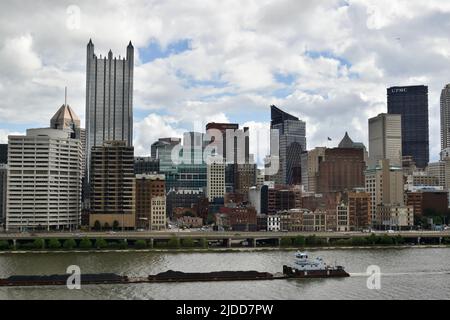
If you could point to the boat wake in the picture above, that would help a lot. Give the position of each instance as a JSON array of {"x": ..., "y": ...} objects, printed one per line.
[{"x": 393, "y": 274}]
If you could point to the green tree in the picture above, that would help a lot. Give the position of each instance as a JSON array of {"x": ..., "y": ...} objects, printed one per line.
[
  {"x": 85, "y": 243},
  {"x": 123, "y": 244},
  {"x": 343, "y": 242},
  {"x": 286, "y": 242},
  {"x": 97, "y": 225},
  {"x": 187, "y": 243},
  {"x": 116, "y": 225},
  {"x": 311, "y": 240},
  {"x": 101, "y": 243},
  {"x": 173, "y": 242},
  {"x": 210, "y": 219},
  {"x": 54, "y": 244},
  {"x": 398, "y": 240},
  {"x": 39, "y": 244},
  {"x": 202, "y": 243},
  {"x": 372, "y": 239},
  {"x": 358, "y": 241},
  {"x": 4, "y": 245},
  {"x": 69, "y": 244},
  {"x": 386, "y": 240},
  {"x": 300, "y": 241},
  {"x": 140, "y": 244}
]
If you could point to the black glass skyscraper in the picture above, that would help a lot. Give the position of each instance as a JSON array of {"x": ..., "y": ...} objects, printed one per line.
[
  {"x": 411, "y": 103},
  {"x": 292, "y": 142},
  {"x": 3, "y": 153}
]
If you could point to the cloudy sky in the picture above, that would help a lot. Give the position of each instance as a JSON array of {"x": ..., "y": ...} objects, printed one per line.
[{"x": 328, "y": 62}]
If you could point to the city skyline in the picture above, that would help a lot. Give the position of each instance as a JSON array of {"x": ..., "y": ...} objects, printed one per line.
[{"x": 183, "y": 75}]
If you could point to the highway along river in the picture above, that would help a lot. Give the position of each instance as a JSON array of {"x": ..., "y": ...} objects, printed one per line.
[{"x": 410, "y": 273}]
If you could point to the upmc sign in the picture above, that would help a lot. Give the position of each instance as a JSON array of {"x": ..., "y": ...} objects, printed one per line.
[{"x": 399, "y": 90}]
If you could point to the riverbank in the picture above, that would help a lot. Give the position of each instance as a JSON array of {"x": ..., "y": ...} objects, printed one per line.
[{"x": 223, "y": 250}]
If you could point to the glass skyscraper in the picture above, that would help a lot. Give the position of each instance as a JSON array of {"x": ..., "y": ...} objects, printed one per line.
[
  {"x": 109, "y": 98},
  {"x": 411, "y": 103},
  {"x": 292, "y": 142}
]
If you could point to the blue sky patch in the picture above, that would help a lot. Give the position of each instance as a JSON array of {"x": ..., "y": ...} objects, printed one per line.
[
  {"x": 329, "y": 55},
  {"x": 154, "y": 50}
]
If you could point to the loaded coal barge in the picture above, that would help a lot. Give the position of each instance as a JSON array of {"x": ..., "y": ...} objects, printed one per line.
[{"x": 302, "y": 268}]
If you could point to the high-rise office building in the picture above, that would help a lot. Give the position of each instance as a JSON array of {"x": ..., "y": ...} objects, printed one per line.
[
  {"x": 292, "y": 142},
  {"x": 109, "y": 98},
  {"x": 112, "y": 186},
  {"x": 67, "y": 120},
  {"x": 221, "y": 135},
  {"x": 162, "y": 150},
  {"x": 4, "y": 153},
  {"x": 3, "y": 184},
  {"x": 44, "y": 181},
  {"x": 411, "y": 103},
  {"x": 150, "y": 202},
  {"x": 385, "y": 183},
  {"x": 215, "y": 178},
  {"x": 445, "y": 117},
  {"x": 311, "y": 162},
  {"x": 385, "y": 139},
  {"x": 342, "y": 169}
]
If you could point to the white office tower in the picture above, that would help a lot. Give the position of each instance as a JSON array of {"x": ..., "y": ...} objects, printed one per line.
[
  {"x": 44, "y": 181},
  {"x": 215, "y": 172},
  {"x": 445, "y": 117},
  {"x": 385, "y": 139}
]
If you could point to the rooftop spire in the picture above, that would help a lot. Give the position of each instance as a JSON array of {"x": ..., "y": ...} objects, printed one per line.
[{"x": 65, "y": 96}]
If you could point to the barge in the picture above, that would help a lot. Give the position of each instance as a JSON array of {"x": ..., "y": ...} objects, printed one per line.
[{"x": 302, "y": 268}]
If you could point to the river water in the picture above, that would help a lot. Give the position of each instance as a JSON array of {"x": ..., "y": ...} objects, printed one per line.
[{"x": 415, "y": 273}]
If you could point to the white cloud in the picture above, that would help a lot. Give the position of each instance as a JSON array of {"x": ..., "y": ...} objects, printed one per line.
[
  {"x": 5, "y": 133},
  {"x": 228, "y": 73}
]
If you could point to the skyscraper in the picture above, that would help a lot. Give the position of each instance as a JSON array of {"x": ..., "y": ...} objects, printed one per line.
[
  {"x": 292, "y": 142},
  {"x": 67, "y": 120},
  {"x": 112, "y": 184},
  {"x": 385, "y": 139},
  {"x": 412, "y": 104},
  {"x": 109, "y": 98},
  {"x": 445, "y": 117},
  {"x": 4, "y": 153},
  {"x": 342, "y": 169},
  {"x": 215, "y": 178},
  {"x": 385, "y": 183},
  {"x": 44, "y": 181},
  {"x": 3, "y": 184},
  {"x": 233, "y": 144}
]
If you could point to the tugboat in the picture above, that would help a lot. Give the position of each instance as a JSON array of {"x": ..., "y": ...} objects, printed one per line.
[{"x": 304, "y": 267}]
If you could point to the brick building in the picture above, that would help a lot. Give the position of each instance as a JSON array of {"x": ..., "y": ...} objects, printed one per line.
[{"x": 342, "y": 169}]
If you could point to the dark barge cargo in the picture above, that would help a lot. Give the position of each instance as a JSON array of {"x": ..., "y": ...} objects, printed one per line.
[
  {"x": 61, "y": 279},
  {"x": 178, "y": 276}
]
